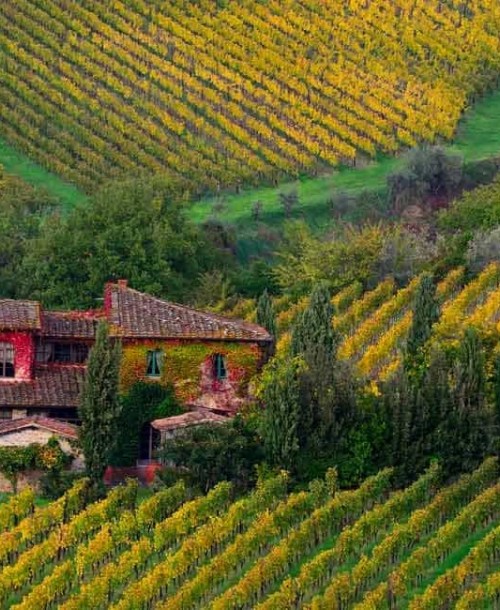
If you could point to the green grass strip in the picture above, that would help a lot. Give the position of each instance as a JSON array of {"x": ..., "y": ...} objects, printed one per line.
[
  {"x": 477, "y": 137},
  {"x": 18, "y": 164}
]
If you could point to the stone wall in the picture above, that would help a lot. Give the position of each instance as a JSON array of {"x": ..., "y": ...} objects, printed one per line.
[{"x": 29, "y": 478}]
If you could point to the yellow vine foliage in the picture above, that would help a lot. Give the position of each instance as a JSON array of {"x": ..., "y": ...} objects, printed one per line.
[
  {"x": 248, "y": 91},
  {"x": 371, "y": 328},
  {"x": 457, "y": 310}
]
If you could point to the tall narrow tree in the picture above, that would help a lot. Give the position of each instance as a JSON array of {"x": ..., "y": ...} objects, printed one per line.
[
  {"x": 100, "y": 406},
  {"x": 397, "y": 404},
  {"x": 265, "y": 314},
  {"x": 434, "y": 424},
  {"x": 496, "y": 398},
  {"x": 474, "y": 416},
  {"x": 326, "y": 389},
  {"x": 280, "y": 398},
  {"x": 425, "y": 313},
  {"x": 313, "y": 335}
]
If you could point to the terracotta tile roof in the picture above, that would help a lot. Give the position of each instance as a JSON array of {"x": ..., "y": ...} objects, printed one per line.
[
  {"x": 50, "y": 387},
  {"x": 19, "y": 315},
  {"x": 134, "y": 314},
  {"x": 36, "y": 421},
  {"x": 68, "y": 324},
  {"x": 186, "y": 420}
]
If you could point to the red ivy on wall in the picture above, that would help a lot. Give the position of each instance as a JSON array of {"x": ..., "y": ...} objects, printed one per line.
[{"x": 24, "y": 353}]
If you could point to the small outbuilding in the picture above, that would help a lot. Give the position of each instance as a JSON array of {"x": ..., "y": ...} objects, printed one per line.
[
  {"x": 38, "y": 430},
  {"x": 168, "y": 427}
]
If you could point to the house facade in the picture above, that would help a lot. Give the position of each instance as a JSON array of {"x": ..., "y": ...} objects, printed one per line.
[{"x": 208, "y": 359}]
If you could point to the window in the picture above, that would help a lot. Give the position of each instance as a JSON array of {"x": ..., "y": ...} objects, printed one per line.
[
  {"x": 154, "y": 363},
  {"x": 7, "y": 360},
  {"x": 5, "y": 413},
  {"x": 219, "y": 366},
  {"x": 62, "y": 353},
  {"x": 43, "y": 351},
  {"x": 80, "y": 353}
]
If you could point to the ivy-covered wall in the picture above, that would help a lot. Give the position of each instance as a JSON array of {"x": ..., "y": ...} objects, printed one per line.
[
  {"x": 24, "y": 352},
  {"x": 187, "y": 365}
]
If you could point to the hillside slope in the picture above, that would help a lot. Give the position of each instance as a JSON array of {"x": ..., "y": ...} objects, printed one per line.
[
  {"x": 419, "y": 547},
  {"x": 373, "y": 326},
  {"x": 246, "y": 92}
]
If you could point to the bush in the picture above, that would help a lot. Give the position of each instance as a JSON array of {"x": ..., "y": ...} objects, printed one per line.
[
  {"x": 484, "y": 248},
  {"x": 430, "y": 172},
  {"x": 54, "y": 484},
  {"x": 478, "y": 209},
  {"x": 205, "y": 455},
  {"x": 403, "y": 255},
  {"x": 16, "y": 460}
]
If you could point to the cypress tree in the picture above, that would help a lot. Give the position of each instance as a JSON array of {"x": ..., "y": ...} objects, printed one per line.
[
  {"x": 496, "y": 399},
  {"x": 100, "y": 406},
  {"x": 280, "y": 397},
  {"x": 313, "y": 335},
  {"x": 397, "y": 405},
  {"x": 434, "y": 427},
  {"x": 265, "y": 314},
  {"x": 425, "y": 313},
  {"x": 326, "y": 387},
  {"x": 474, "y": 416}
]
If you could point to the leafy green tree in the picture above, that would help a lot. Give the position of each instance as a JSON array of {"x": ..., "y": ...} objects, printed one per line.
[
  {"x": 313, "y": 335},
  {"x": 478, "y": 209},
  {"x": 22, "y": 209},
  {"x": 213, "y": 291},
  {"x": 136, "y": 229},
  {"x": 433, "y": 422},
  {"x": 397, "y": 403},
  {"x": 250, "y": 280},
  {"x": 340, "y": 258},
  {"x": 205, "y": 455},
  {"x": 280, "y": 420},
  {"x": 99, "y": 409},
  {"x": 265, "y": 314}
]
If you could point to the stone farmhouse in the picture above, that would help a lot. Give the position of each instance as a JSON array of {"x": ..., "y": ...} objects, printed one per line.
[{"x": 208, "y": 359}]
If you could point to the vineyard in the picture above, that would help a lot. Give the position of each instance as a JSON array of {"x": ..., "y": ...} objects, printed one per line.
[
  {"x": 225, "y": 93},
  {"x": 371, "y": 547},
  {"x": 374, "y": 325}
]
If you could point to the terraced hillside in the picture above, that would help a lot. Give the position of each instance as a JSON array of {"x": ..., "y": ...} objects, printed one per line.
[
  {"x": 221, "y": 93},
  {"x": 374, "y": 324},
  {"x": 373, "y": 547}
]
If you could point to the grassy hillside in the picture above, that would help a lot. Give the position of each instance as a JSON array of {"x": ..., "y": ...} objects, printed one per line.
[
  {"x": 231, "y": 93},
  {"x": 477, "y": 137},
  {"x": 271, "y": 549}
]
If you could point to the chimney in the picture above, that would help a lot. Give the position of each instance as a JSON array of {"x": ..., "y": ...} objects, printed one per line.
[{"x": 122, "y": 283}]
